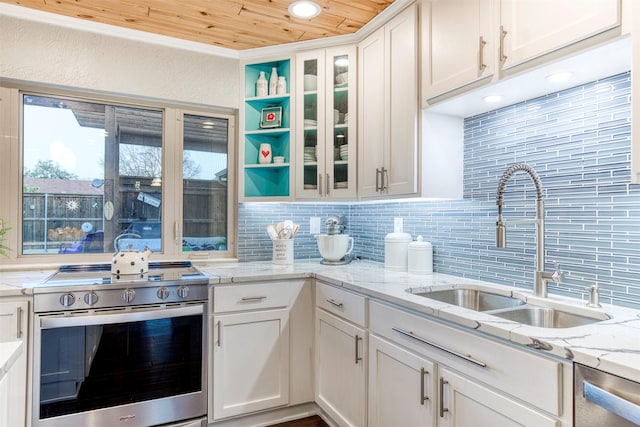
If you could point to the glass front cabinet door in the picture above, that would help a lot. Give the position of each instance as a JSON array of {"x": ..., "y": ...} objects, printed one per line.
[{"x": 326, "y": 124}]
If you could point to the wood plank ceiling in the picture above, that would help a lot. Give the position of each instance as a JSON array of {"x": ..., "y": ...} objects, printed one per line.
[{"x": 233, "y": 24}]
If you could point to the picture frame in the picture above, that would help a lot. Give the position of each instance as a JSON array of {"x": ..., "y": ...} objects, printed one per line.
[{"x": 271, "y": 117}]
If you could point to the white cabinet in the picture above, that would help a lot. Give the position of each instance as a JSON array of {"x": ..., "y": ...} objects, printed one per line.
[
  {"x": 4, "y": 401},
  {"x": 340, "y": 369},
  {"x": 467, "y": 403},
  {"x": 388, "y": 118},
  {"x": 341, "y": 355},
  {"x": 401, "y": 386},
  {"x": 458, "y": 46},
  {"x": 531, "y": 28},
  {"x": 249, "y": 344},
  {"x": 14, "y": 326},
  {"x": 326, "y": 128},
  {"x": 250, "y": 362},
  {"x": 480, "y": 382}
]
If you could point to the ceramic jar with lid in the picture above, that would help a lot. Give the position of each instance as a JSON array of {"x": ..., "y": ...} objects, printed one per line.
[
  {"x": 395, "y": 251},
  {"x": 420, "y": 257}
]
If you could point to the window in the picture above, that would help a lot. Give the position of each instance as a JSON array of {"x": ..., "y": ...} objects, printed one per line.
[{"x": 99, "y": 177}]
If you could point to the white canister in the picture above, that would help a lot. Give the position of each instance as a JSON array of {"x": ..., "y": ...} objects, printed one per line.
[
  {"x": 420, "y": 257},
  {"x": 396, "y": 247}
]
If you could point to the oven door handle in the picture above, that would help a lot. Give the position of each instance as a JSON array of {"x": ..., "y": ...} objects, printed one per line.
[
  {"x": 612, "y": 403},
  {"x": 137, "y": 315}
]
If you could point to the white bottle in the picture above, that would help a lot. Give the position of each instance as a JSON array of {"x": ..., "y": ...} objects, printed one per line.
[
  {"x": 281, "y": 87},
  {"x": 261, "y": 85},
  {"x": 273, "y": 82}
]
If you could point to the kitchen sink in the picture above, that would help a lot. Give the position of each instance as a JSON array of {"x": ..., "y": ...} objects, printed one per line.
[
  {"x": 545, "y": 317},
  {"x": 473, "y": 299}
]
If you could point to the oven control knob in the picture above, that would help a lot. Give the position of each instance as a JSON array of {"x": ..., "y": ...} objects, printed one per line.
[
  {"x": 128, "y": 295},
  {"x": 183, "y": 291},
  {"x": 163, "y": 293},
  {"x": 67, "y": 299},
  {"x": 90, "y": 298}
]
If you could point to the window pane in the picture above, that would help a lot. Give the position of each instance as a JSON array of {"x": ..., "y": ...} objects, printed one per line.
[
  {"x": 205, "y": 183},
  {"x": 90, "y": 174}
]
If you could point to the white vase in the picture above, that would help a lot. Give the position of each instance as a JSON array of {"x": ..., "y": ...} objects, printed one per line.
[
  {"x": 281, "y": 87},
  {"x": 273, "y": 81},
  {"x": 261, "y": 85},
  {"x": 265, "y": 154}
]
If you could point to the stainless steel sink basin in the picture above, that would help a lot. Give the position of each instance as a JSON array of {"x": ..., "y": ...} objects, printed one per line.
[
  {"x": 472, "y": 299},
  {"x": 547, "y": 317}
]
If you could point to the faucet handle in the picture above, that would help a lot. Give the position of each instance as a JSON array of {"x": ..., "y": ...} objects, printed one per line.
[{"x": 558, "y": 275}]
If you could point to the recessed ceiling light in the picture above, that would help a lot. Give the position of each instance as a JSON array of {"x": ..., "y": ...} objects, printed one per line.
[
  {"x": 304, "y": 9},
  {"x": 559, "y": 77},
  {"x": 492, "y": 98}
]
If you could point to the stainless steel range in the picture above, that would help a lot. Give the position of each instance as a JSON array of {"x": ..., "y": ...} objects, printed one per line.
[{"x": 121, "y": 350}]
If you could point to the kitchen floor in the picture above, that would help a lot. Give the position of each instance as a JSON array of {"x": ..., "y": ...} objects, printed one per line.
[{"x": 314, "y": 421}]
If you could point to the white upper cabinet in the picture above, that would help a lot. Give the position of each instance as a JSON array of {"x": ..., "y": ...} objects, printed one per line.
[
  {"x": 388, "y": 108},
  {"x": 458, "y": 45},
  {"x": 531, "y": 28}
]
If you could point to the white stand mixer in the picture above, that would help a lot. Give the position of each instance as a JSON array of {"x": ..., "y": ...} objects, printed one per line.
[{"x": 335, "y": 246}]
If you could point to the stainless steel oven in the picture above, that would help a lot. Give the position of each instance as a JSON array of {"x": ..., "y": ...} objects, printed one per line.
[{"x": 121, "y": 352}]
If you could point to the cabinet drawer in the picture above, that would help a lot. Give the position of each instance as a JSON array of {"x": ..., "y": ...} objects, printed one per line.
[
  {"x": 520, "y": 373},
  {"x": 342, "y": 303},
  {"x": 251, "y": 297}
]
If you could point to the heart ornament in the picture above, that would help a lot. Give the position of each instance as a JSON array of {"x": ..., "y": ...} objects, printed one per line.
[{"x": 265, "y": 153}]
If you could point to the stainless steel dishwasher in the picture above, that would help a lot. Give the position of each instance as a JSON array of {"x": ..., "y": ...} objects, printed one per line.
[{"x": 602, "y": 399}]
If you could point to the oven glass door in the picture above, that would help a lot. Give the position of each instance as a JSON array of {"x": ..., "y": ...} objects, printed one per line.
[{"x": 88, "y": 362}]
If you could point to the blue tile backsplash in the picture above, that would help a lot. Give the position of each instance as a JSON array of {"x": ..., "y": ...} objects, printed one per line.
[{"x": 579, "y": 142}]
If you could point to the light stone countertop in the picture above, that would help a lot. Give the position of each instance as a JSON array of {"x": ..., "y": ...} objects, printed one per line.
[{"x": 611, "y": 345}]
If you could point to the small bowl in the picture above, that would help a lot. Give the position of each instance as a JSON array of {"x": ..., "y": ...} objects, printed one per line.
[
  {"x": 310, "y": 82},
  {"x": 278, "y": 159}
]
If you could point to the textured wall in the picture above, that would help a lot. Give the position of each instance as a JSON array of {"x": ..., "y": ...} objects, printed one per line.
[
  {"x": 38, "y": 52},
  {"x": 578, "y": 141}
]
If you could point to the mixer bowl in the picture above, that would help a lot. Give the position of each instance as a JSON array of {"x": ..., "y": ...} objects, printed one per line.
[{"x": 334, "y": 247}]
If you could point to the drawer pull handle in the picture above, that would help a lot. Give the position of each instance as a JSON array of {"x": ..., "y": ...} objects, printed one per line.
[
  {"x": 442, "y": 408},
  {"x": 439, "y": 347},
  {"x": 423, "y": 398},
  {"x": 251, "y": 299},
  {"x": 335, "y": 303},
  {"x": 358, "y": 358}
]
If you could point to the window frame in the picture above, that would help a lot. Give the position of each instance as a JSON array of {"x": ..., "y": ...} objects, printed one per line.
[{"x": 11, "y": 174}]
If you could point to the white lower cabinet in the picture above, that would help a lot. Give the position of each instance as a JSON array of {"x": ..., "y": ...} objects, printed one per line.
[
  {"x": 464, "y": 403},
  {"x": 250, "y": 362},
  {"x": 250, "y": 346},
  {"x": 13, "y": 327},
  {"x": 426, "y": 373},
  {"x": 340, "y": 369},
  {"x": 341, "y": 342},
  {"x": 401, "y": 386}
]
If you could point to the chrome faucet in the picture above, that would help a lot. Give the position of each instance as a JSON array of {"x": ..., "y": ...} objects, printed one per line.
[{"x": 541, "y": 277}]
